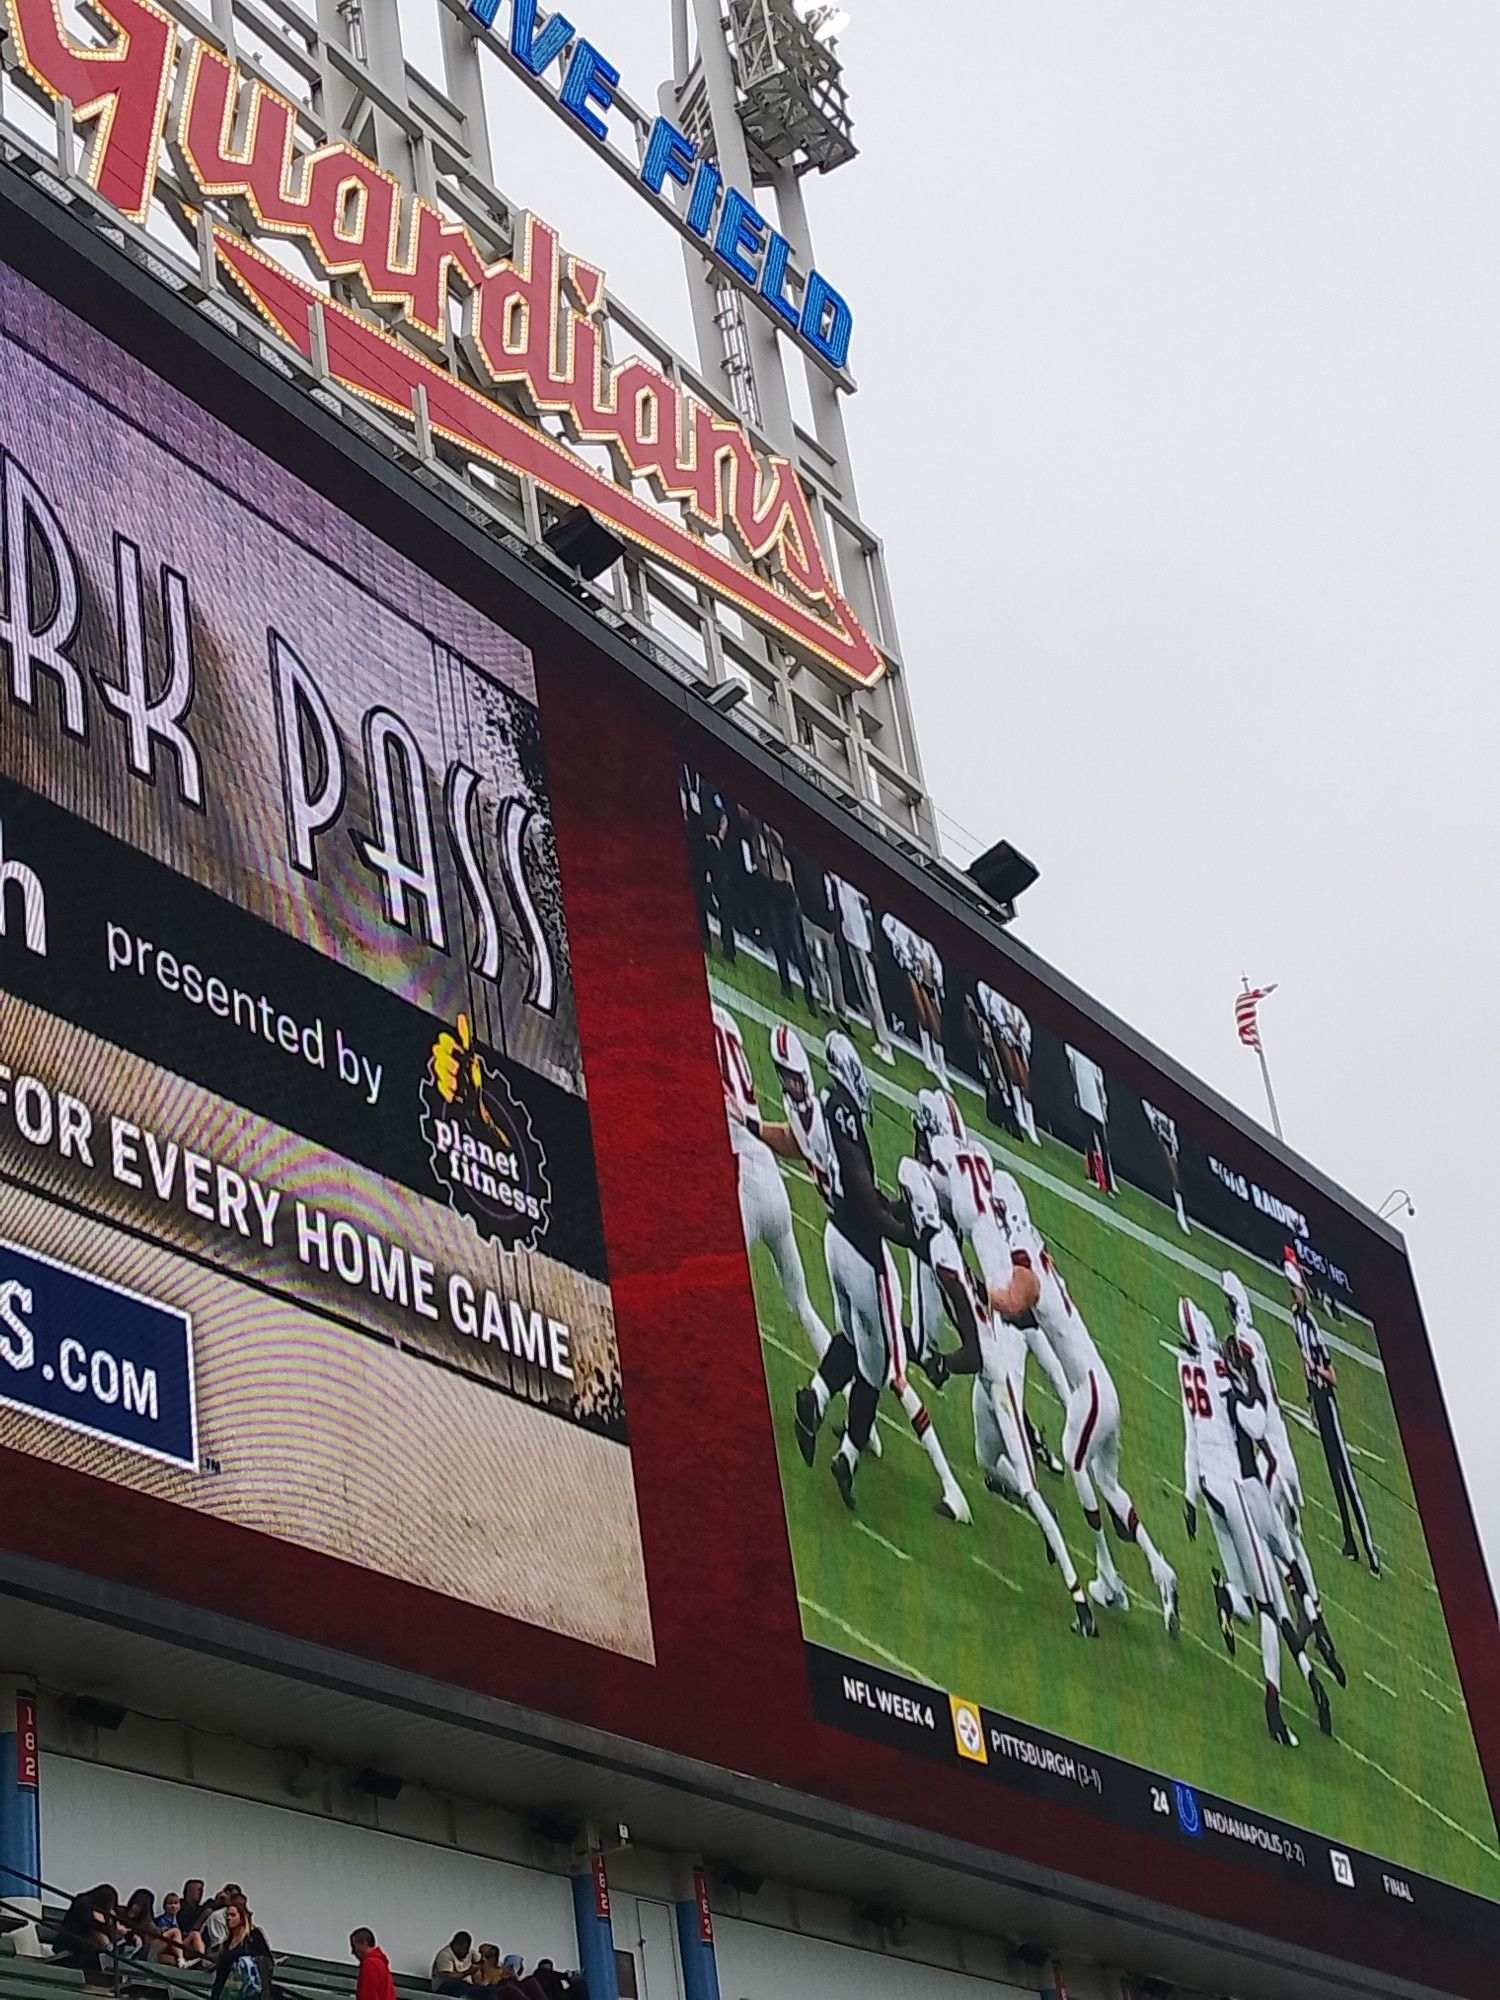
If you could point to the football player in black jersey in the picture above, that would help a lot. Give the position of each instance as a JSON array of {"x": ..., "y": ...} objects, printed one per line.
[
  {"x": 868, "y": 1352},
  {"x": 1248, "y": 1403}
]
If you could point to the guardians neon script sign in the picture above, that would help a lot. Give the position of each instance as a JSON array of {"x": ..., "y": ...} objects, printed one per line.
[{"x": 531, "y": 322}]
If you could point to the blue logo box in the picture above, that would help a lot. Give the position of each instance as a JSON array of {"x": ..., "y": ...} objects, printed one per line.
[{"x": 97, "y": 1358}]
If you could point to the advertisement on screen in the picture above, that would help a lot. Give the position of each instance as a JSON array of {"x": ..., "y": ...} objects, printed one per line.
[
  {"x": 299, "y": 1223},
  {"x": 1091, "y": 1473}
]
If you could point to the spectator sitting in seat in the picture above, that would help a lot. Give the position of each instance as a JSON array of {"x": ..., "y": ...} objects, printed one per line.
[
  {"x": 89, "y": 1928},
  {"x": 191, "y": 1906},
  {"x": 455, "y": 1969},
  {"x": 166, "y": 1916},
  {"x": 487, "y": 1967},
  {"x": 556, "y": 1985},
  {"x": 514, "y": 1979},
  {"x": 141, "y": 1937},
  {"x": 244, "y": 1968},
  {"x": 375, "y": 1981}
]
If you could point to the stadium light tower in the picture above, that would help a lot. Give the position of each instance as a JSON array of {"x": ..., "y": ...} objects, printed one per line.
[{"x": 758, "y": 86}]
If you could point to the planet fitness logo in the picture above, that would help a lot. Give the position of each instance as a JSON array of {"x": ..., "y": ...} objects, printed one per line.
[{"x": 483, "y": 1149}]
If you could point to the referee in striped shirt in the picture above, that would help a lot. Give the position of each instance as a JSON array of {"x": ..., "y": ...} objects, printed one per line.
[{"x": 1322, "y": 1396}]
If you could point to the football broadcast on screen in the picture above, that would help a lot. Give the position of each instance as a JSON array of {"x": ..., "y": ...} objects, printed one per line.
[{"x": 1073, "y": 1419}]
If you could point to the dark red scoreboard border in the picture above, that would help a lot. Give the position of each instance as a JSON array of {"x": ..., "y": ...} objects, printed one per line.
[{"x": 729, "y": 1685}]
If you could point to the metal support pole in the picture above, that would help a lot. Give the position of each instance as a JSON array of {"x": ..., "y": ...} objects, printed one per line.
[
  {"x": 695, "y": 1941},
  {"x": 734, "y": 164},
  {"x": 20, "y": 1807},
  {"x": 596, "y": 1936},
  {"x": 1265, "y": 1071},
  {"x": 1265, "y": 1068}
]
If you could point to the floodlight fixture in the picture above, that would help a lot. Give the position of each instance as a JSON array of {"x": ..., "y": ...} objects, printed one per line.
[
  {"x": 727, "y": 695},
  {"x": 583, "y": 543},
  {"x": 1004, "y": 873}
]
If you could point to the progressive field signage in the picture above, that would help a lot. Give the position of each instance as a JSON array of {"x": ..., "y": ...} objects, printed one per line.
[
  {"x": 724, "y": 220},
  {"x": 723, "y": 512}
]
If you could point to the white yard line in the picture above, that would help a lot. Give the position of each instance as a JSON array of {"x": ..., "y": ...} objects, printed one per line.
[
  {"x": 1382, "y": 1685},
  {"x": 1426, "y": 1804},
  {"x": 899, "y": 1553},
  {"x": 1369, "y": 1762},
  {"x": 998, "y": 1574},
  {"x": 866, "y": 1646},
  {"x": 1359, "y": 1451}
]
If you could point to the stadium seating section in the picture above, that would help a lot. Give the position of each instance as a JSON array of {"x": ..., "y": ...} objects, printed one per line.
[{"x": 297, "y": 1978}]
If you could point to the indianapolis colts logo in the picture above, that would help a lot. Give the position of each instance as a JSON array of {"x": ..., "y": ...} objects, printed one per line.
[{"x": 1188, "y": 1816}]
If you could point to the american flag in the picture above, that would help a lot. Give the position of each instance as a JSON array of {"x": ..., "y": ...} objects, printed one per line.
[{"x": 1246, "y": 1011}]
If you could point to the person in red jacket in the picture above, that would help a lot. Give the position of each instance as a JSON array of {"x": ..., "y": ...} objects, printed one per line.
[{"x": 375, "y": 1981}]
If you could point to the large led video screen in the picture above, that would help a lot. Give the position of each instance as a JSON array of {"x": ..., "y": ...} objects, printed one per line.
[
  {"x": 299, "y": 1224},
  {"x": 1090, "y": 1469}
]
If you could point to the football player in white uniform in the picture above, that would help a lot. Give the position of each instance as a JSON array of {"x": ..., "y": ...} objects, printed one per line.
[
  {"x": 854, "y": 922},
  {"x": 1011, "y": 1031},
  {"x": 924, "y": 970},
  {"x": 1211, "y": 1468},
  {"x": 1281, "y": 1478},
  {"x": 869, "y": 1351},
  {"x": 1092, "y": 1095},
  {"x": 1224, "y": 1420},
  {"x": 994, "y": 1354},
  {"x": 804, "y": 1135},
  {"x": 765, "y": 1208},
  {"x": 1165, "y": 1129},
  {"x": 964, "y": 1176},
  {"x": 1091, "y": 1435}
]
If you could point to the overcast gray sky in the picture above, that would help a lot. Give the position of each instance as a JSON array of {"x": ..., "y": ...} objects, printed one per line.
[{"x": 1177, "y": 328}]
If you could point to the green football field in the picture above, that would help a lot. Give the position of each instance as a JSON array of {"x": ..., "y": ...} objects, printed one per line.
[{"x": 976, "y": 1611}]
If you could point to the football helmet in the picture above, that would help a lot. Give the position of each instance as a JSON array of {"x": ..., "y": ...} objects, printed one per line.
[
  {"x": 1237, "y": 1297},
  {"x": 792, "y": 1065},
  {"x": 921, "y": 1196},
  {"x": 844, "y": 1064}
]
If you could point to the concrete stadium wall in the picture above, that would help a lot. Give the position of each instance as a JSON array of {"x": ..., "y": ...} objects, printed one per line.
[
  {"x": 309, "y": 1880},
  {"x": 757, "y": 1962}
]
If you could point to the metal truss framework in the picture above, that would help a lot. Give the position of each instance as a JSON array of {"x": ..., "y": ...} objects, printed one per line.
[
  {"x": 343, "y": 66},
  {"x": 793, "y": 105}
]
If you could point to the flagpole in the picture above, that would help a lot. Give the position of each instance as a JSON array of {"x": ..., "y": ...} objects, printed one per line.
[{"x": 1265, "y": 1068}]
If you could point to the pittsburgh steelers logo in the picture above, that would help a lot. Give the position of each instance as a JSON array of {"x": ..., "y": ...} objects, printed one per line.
[
  {"x": 968, "y": 1730},
  {"x": 484, "y": 1152}
]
